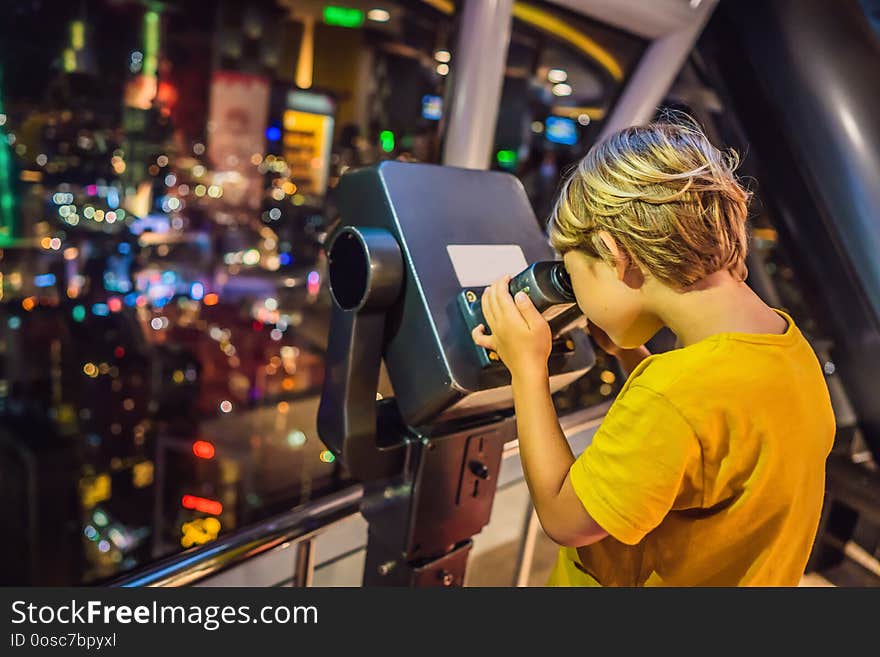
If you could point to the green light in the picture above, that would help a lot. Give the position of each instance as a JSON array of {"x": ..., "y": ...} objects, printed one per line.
[
  {"x": 69, "y": 60},
  {"x": 386, "y": 138},
  {"x": 506, "y": 158},
  {"x": 151, "y": 43},
  {"x": 343, "y": 16},
  {"x": 100, "y": 518},
  {"x": 79, "y": 313},
  {"x": 7, "y": 200}
]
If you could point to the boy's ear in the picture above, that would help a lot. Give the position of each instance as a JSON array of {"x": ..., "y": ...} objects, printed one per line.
[
  {"x": 621, "y": 258},
  {"x": 628, "y": 271}
]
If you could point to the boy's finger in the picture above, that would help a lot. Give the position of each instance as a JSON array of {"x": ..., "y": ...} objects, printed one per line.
[
  {"x": 481, "y": 339},
  {"x": 527, "y": 309},
  {"x": 504, "y": 302},
  {"x": 486, "y": 304}
]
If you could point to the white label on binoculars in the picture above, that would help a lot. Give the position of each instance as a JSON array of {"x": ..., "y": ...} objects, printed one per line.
[{"x": 478, "y": 265}]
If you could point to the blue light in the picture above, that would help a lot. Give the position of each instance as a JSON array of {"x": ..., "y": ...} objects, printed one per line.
[
  {"x": 560, "y": 130},
  {"x": 285, "y": 258},
  {"x": 168, "y": 277},
  {"x": 100, "y": 309},
  {"x": 273, "y": 133},
  {"x": 112, "y": 198},
  {"x": 197, "y": 291},
  {"x": 44, "y": 280},
  {"x": 432, "y": 107},
  {"x": 131, "y": 299},
  {"x": 124, "y": 248},
  {"x": 14, "y": 322}
]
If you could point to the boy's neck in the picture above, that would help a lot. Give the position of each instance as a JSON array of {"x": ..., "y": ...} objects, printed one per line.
[{"x": 717, "y": 304}]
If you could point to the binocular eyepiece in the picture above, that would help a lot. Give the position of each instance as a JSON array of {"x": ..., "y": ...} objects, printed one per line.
[{"x": 546, "y": 283}]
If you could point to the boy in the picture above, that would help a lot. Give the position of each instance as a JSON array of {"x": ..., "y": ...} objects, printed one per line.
[{"x": 709, "y": 468}]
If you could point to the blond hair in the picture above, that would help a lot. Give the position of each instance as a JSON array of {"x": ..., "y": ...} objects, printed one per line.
[{"x": 666, "y": 195}]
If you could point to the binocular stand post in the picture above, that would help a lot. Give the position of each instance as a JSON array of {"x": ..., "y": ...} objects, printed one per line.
[{"x": 421, "y": 523}]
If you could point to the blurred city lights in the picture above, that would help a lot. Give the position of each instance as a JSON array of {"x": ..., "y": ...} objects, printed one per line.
[
  {"x": 203, "y": 449},
  {"x": 556, "y": 75},
  {"x": 379, "y": 15},
  {"x": 386, "y": 139},
  {"x": 562, "y": 90},
  {"x": 343, "y": 16},
  {"x": 296, "y": 438},
  {"x": 212, "y": 507}
]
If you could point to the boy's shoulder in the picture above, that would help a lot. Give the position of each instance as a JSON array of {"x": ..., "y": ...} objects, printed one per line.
[
  {"x": 677, "y": 369},
  {"x": 731, "y": 370}
]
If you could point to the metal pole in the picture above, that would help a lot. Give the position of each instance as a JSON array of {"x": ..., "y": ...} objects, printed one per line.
[
  {"x": 478, "y": 64},
  {"x": 656, "y": 72},
  {"x": 304, "y": 566}
]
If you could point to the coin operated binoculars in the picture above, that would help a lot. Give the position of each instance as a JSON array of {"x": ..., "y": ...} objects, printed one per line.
[{"x": 416, "y": 245}]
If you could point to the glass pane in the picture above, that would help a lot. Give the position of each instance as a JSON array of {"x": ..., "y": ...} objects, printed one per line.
[{"x": 164, "y": 178}]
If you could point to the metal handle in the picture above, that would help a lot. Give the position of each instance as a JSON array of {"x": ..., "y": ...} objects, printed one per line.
[{"x": 366, "y": 275}]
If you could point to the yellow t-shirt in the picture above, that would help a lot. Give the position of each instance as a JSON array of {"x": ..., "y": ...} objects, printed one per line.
[{"x": 709, "y": 469}]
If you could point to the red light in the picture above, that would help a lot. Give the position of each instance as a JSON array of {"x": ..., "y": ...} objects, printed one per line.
[
  {"x": 211, "y": 299},
  {"x": 212, "y": 507},
  {"x": 257, "y": 325},
  {"x": 115, "y": 304},
  {"x": 119, "y": 352},
  {"x": 203, "y": 449}
]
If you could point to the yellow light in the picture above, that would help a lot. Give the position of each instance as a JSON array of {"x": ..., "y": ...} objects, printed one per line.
[
  {"x": 90, "y": 370},
  {"x": 71, "y": 253},
  {"x": 305, "y": 63},
  {"x": 77, "y": 35},
  {"x": 289, "y": 188},
  {"x": 142, "y": 474},
  {"x": 95, "y": 489},
  {"x": 199, "y": 531},
  {"x": 200, "y": 190},
  {"x": 28, "y": 303},
  {"x": 592, "y": 113},
  {"x": 607, "y": 376},
  {"x": 46, "y": 243},
  {"x": 283, "y": 407},
  {"x": 177, "y": 377}
]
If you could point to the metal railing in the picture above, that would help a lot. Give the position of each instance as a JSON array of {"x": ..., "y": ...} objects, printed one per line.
[{"x": 300, "y": 527}]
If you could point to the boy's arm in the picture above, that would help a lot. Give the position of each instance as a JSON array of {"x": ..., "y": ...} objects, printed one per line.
[
  {"x": 521, "y": 337},
  {"x": 547, "y": 459}
]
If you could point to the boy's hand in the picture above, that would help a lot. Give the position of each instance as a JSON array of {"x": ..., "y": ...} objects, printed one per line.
[{"x": 520, "y": 334}]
